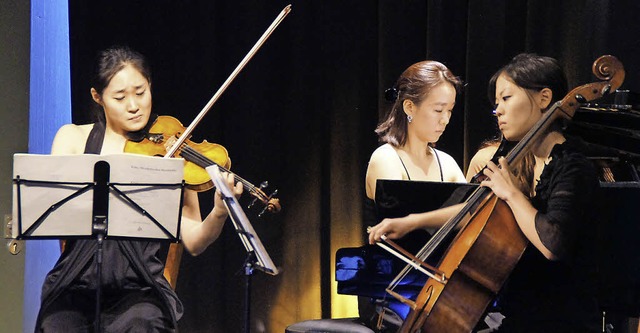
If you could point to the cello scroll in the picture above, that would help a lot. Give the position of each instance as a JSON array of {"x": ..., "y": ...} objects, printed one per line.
[{"x": 607, "y": 68}]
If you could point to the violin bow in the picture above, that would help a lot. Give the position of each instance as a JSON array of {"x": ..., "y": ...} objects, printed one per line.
[{"x": 216, "y": 96}]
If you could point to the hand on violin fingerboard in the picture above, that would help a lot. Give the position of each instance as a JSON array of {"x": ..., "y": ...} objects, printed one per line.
[{"x": 219, "y": 208}]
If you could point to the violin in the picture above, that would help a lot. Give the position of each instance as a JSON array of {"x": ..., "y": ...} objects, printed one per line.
[
  {"x": 163, "y": 135},
  {"x": 167, "y": 137}
]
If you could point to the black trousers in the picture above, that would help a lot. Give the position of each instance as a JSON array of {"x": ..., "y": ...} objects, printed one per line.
[{"x": 133, "y": 311}]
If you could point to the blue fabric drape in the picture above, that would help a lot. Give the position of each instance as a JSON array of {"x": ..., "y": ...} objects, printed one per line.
[{"x": 49, "y": 108}]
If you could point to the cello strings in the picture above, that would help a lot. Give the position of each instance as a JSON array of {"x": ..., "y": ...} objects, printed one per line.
[
  {"x": 479, "y": 193},
  {"x": 438, "y": 238}
]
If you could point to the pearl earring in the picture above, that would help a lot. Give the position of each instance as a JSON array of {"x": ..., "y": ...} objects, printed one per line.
[{"x": 409, "y": 118}]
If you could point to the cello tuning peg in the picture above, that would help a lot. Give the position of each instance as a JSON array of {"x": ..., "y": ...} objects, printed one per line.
[
  {"x": 264, "y": 184},
  {"x": 580, "y": 98}
]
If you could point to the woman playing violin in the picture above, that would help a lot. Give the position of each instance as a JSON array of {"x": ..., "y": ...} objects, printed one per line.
[
  {"x": 549, "y": 193},
  {"x": 136, "y": 296}
]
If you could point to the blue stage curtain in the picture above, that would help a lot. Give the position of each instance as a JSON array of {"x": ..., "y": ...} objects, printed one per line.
[{"x": 49, "y": 108}]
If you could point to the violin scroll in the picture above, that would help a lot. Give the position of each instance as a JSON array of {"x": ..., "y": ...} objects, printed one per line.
[{"x": 272, "y": 204}]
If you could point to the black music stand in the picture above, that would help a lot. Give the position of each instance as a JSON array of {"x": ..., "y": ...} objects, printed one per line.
[
  {"x": 71, "y": 192},
  {"x": 257, "y": 256},
  {"x": 397, "y": 198}
]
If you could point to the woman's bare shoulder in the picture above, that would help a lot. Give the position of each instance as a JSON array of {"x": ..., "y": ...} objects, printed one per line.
[
  {"x": 450, "y": 168},
  {"x": 483, "y": 155},
  {"x": 487, "y": 151},
  {"x": 480, "y": 159},
  {"x": 382, "y": 153},
  {"x": 71, "y": 139},
  {"x": 384, "y": 158},
  {"x": 383, "y": 164}
]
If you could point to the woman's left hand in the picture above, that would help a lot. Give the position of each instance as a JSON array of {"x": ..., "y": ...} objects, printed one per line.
[
  {"x": 219, "y": 209},
  {"x": 500, "y": 180}
]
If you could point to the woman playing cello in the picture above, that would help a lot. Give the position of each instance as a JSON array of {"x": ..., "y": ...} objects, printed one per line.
[{"x": 550, "y": 194}]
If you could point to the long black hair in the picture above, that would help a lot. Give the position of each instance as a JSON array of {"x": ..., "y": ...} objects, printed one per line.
[
  {"x": 109, "y": 63},
  {"x": 532, "y": 73}
]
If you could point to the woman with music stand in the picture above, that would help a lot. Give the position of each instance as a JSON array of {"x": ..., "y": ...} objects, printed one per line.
[{"x": 135, "y": 295}]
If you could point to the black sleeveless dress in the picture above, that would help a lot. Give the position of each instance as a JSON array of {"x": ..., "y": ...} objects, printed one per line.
[
  {"x": 131, "y": 270},
  {"x": 370, "y": 308}
]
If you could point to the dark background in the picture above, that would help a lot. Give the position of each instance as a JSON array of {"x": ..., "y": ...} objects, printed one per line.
[{"x": 302, "y": 113}]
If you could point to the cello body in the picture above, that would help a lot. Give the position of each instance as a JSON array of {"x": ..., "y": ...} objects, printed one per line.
[{"x": 471, "y": 273}]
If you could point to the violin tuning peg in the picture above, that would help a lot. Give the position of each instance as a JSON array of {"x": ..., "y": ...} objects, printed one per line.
[
  {"x": 269, "y": 207},
  {"x": 253, "y": 202},
  {"x": 262, "y": 211},
  {"x": 264, "y": 184}
]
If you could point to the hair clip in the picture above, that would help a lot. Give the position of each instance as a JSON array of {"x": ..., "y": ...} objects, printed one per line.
[{"x": 391, "y": 94}]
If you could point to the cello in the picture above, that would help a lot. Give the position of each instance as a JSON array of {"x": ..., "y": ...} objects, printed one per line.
[{"x": 489, "y": 242}]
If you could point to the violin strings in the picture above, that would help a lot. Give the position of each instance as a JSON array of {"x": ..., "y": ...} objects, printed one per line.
[
  {"x": 193, "y": 156},
  {"x": 203, "y": 161}
]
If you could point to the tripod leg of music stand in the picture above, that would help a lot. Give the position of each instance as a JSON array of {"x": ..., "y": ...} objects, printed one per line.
[
  {"x": 248, "y": 272},
  {"x": 97, "y": 324}
]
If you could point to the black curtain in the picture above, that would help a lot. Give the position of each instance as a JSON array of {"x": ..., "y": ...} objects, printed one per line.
[{"x": 302, "y": 113}]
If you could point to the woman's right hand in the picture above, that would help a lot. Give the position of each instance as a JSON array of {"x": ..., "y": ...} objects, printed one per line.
[{"x": 391, "y": 228}]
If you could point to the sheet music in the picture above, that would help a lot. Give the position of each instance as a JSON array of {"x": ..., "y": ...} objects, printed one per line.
[{"x": 74, "y": 217}]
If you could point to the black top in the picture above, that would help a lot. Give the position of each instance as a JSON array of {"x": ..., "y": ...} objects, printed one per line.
[
  {"x": 540, "y": 291},
  {"x": 127, "y": 265}
]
